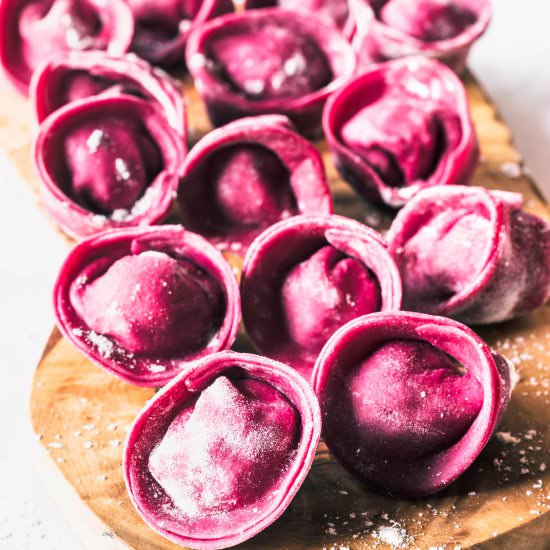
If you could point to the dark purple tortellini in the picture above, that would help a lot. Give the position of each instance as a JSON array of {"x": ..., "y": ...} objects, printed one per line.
[
  {"x": 32, "y": 31},
  {"x": 399, "y": 127},
  {"x": 409, "y": 400},
  {"x": 243, "y": 177},
  {"x": 305, "y": 277},
  {"x": 162, "y": 27},
  {"x": 472, "y": 254},
  {"x": 438, "y": 29},
  {"x": 144, "y": 303},
  {"x": 218, "y": 455},
  {"x": 268, "y": 61},
  {"x": 72, "y": 76},
  {"x": 108, "y": 161}
]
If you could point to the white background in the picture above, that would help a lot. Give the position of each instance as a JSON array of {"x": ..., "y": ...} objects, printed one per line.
[{"x": 513, "y": 62}]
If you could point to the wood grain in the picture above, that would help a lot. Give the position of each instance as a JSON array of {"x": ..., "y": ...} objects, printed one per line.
[{"x": 81, "y": 414}]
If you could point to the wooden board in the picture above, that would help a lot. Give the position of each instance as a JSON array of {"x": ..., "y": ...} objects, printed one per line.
[{"x": 81, "y": 414}]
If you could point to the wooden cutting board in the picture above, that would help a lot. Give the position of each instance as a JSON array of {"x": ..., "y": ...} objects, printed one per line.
[{"x": 81, "y": 415}]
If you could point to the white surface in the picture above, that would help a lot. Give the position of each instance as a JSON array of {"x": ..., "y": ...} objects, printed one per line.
[
  {"x": 31, "y": 254},
  {"x": 511, "y": 60}
]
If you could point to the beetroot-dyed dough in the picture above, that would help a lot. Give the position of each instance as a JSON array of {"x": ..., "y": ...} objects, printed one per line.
[
  {"x": 322, "y": 293},
  {"x": 245, "y": 176},
  {"x": 428, "y": 20},
  {"x": 440, "y": 29},
  {"x": 145, "y": 303},
  {"x": 267, "y": 427},
  {"x": 400, "y": 127},
  {"x": 32, "y": 31},
  {"x": 409, "y": 400},
  {"x": 108, "y": 161},
  {"x": 335, "y": 12},
  {"x": 115, "y": 175},
  {"x": 150, "y": 299},
  {"x": 271, "y": 62},
  {"x": 306, "y": 277},
  {"x": 78, "y": 75},
  {"x": 388, "y": 398},
  {"x": 398, "y": 138},
  {"x": 268, "y": 61},
  {"x": 162, "y": 27},
  {"x": 219, "y": 454},
  {"x": 472, "y": 254},
  {"x": 251, "y": 185}
]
